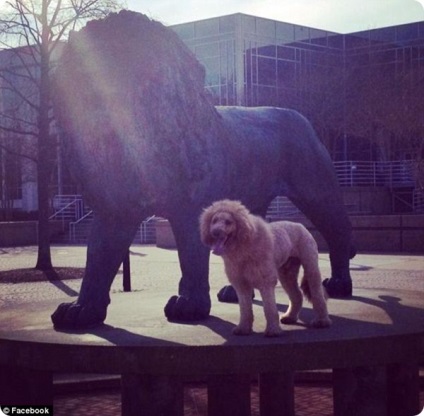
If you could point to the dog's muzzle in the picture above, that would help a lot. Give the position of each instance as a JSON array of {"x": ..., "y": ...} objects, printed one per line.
[{"x": 220, "y": 241}]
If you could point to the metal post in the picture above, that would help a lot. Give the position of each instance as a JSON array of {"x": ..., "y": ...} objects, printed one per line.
[{"x": 127, "y": 273}]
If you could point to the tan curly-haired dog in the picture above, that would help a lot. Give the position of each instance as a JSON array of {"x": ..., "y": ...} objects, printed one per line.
[{"x": 256, "y": 254}]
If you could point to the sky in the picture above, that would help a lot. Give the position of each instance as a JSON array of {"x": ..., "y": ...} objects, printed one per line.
[{"x": 342, "y": 16}]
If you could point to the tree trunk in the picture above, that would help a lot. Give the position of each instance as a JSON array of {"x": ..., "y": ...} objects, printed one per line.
[{"x": 45, "y": 150}]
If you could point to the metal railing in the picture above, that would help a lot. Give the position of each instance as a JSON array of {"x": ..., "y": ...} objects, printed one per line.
[
  {"x": 391, "y": 174},
  {"x": 281, "y": 208},
  {"x": 147, "y": 232},
  {"x": 67, "y": 207},
  {"x": 418, "y": 201},
  {"x": 74, "y": 224}
]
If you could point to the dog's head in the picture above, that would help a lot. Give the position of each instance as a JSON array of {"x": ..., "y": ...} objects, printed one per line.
[{"x": 225, "y": 225}]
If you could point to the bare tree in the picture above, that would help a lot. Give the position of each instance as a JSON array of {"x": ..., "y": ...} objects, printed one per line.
[{"x": 32, "y": 32}]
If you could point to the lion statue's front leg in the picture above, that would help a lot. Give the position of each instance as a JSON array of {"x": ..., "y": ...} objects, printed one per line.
[
  {"x": 109, "y": 241},
  {"x": 193, "y": 301}
]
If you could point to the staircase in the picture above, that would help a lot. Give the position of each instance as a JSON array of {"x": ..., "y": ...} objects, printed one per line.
[
  {"x": 418, "y": 201},
  {"x": 79, "y": 230},
  {"x": 68, "y": 209},
  {"x": 77, "y": 219}
]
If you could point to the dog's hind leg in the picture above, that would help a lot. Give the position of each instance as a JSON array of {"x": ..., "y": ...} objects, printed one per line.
[
  {"x": 314, "y": 291},
  {"x": 288, "y": 274}
]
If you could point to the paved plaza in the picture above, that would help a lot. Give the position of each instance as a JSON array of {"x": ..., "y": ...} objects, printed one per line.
[{"x": 153, "y": 268}]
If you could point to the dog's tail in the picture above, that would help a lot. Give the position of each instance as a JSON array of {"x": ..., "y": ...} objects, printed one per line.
[{"x": 306, "y": 289}]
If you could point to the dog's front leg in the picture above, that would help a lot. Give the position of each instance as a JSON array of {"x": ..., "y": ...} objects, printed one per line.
[
  {"x": 244, "y": 294},
  {"x": 273, "y": 328}
]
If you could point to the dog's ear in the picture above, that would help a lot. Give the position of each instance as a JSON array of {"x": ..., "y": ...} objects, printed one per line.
[
  {"x": 204, "y": 223},
  {"x": 245, "y": 224}
]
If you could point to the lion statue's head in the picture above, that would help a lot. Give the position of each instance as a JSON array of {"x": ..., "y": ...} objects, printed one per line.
[{"x": 131, "y": 104}]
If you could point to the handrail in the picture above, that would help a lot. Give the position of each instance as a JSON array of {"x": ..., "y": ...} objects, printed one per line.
[
  {"x": 418, "y": 200},
  {"x": 143, "y": 227},
  {"x": 73, "y": 224},
  {"x": 57, "y": 213},
  {"x": 88, "y": 214}
]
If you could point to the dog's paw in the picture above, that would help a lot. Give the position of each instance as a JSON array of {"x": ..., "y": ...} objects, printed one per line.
[
  {"x": 182, "y": 309},
  {"x": 273, "y": 332},
  {"x": 288, "y": 320},
  {"x": 71, "y": 316},
  {"x": 242, "y": 330},
  {"x": 321, "y": 323}
]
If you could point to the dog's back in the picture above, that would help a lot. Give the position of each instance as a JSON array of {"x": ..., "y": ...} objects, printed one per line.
[{"x": 291, "y": 240}]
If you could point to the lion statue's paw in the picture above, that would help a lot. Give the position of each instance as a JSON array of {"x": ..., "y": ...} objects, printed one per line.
[
  {"x": 229, "y": 295},
  {"x": 338, "y": 288},
  {"x": 71, "y": 316},
  {"x": 180, "y": 309}
]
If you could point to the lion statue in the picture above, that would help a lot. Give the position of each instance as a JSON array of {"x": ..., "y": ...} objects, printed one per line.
[{"x": 143, "y": 138}]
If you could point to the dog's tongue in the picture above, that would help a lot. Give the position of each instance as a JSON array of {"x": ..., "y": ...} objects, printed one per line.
[{"x": 218, "y": 247}]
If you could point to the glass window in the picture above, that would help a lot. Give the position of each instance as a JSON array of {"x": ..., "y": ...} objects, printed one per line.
[
  {"x": 387, "y": 34},
  {"x": 318, "y": 58},
  {"x": 407, "y": 32},
  {"x": 228, "y": 94},
  {"x": 285, "y": 32},
  {"x": 286, "y": 73},
  {"x": 215, "y": 94},
  {"x": 335, "y": 41},
  {"x": 287, "y": 98},
  {"x": 267, "y": 71},
  {"x": 265, "y": 27},
  {"x": 358, "y": 60},
  {"x": 227, "y": 24},
  {"x": 208, "y": 27},
  {"x": 212, "y": 70},
  {"x": 185, "y": 31},
  {"x": 301, "y": 33},
  {"x": 384, "y": 56},
  {"x": 227, "y": 49},
  {"x": 356, "y": 41},
  {"x": 266, "y": 96},
  {"x": 318, "y": 37},
  {"x": 249, "y": 24},
  {"x": 335, "y": 59},
  {"x": 268, "y": 50},
  {"x": 285, "y": 52},
  {"x": 207, "y": 50}
]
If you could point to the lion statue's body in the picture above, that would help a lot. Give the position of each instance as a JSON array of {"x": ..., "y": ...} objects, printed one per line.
[{"x": 143, "y": 138}]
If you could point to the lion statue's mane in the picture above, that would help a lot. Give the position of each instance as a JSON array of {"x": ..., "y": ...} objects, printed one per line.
[{"x": 143, "y": 138}]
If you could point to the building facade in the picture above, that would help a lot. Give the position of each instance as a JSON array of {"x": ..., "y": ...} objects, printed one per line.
[{"x": 253, "y": 61}]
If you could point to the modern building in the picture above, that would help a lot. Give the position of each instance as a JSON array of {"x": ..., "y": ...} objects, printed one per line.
[
  {"x": 364, "y": 93},
  {"x": 253, "y": 61}
]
